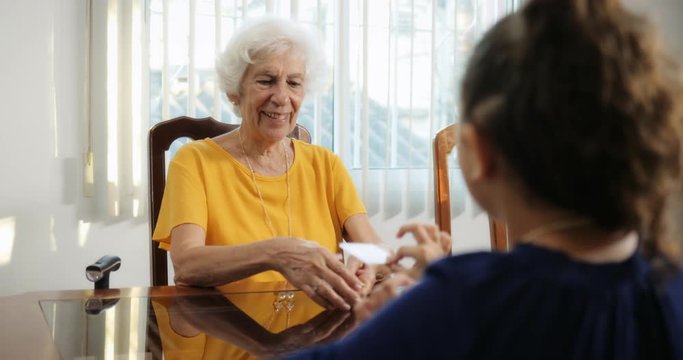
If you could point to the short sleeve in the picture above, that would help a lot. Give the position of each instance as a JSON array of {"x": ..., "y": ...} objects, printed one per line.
[
  {"x": 184, "y": 199},
  {"x": 346, "y": 199}
]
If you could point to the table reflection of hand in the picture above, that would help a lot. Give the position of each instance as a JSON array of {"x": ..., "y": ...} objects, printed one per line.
[
  {"x": 217, "y": 317},
  {"x": 381, "y": 294},
  {"x": 324, "y": 327}
]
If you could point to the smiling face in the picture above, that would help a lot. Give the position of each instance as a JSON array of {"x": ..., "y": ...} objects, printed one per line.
[{"x": 271, "y": 93}]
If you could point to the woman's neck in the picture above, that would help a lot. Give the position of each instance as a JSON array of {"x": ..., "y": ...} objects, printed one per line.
[
  {"x": 579, "y": 238},
  {"x": 532, "y": 220},
  {"x": 270, "y": 158},
  {"x": 591, "y": 244},
  {"x": 260, "y": 148}
]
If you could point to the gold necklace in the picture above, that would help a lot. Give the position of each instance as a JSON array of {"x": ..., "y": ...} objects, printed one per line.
[
  {"x": 282, "y": 299},
  {"x": 555, "y": 226},
  {"x": 269, "y": 223}
]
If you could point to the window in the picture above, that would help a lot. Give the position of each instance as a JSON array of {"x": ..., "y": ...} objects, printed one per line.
[{"x": 394, "y": 81}]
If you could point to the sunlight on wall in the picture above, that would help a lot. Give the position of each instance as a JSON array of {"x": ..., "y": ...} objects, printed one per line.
[
  {"x": 7, "y": 232},
  {"x": 136, "y": 207},
  {"x": 53, "y": 238},
  {"x": 83, "y": 231},
  {"x": 136, "y": 101},
  {"x": 114, "y": 209},
  {"x": 112, "y": 107},
  {"x": 53, "y": 91}
]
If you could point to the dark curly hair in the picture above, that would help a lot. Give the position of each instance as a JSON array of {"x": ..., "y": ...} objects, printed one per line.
[{"x": 585, "y": 108}]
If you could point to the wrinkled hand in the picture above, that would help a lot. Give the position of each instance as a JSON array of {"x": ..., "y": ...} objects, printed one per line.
[
  {"x": 432, "y": 244},
  {"x": 381, "y": 294},
  {"x": 317, "y": 272}
]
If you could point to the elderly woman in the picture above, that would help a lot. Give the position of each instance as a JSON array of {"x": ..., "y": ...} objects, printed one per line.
[{"x": 254, "y": 203}]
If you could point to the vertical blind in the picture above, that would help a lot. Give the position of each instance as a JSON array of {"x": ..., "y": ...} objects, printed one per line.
[
  {"x": 116, "y": 110},
  {"x": 395, "y": 68}
]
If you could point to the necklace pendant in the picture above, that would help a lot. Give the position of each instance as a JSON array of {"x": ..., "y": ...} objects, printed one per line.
[{"x": 257, "y": 189}]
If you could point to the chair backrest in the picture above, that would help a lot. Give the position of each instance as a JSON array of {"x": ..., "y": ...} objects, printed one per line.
[
  {"x": 161, "y": 136},
  {"x": 444, "y": 142}
]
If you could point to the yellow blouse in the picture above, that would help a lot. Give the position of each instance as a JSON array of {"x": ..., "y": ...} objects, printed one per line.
[
  {"x": 207, "y": 186},
  {"x": 230, "y": 337}
]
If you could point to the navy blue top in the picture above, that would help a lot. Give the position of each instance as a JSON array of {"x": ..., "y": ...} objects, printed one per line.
[{"x": 531, "y": 303}]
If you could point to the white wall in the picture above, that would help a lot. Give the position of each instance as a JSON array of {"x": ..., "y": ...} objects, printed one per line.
[{"x": 41, "y": 153}]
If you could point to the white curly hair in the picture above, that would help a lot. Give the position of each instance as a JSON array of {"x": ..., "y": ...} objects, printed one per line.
[{"x": 259, "y": 38}]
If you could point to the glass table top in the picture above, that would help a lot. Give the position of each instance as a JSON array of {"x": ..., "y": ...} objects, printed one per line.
[{"x": 258, "y": 323}]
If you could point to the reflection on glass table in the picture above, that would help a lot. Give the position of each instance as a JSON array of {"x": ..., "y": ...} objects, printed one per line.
[{"x": 237, "y": 321}]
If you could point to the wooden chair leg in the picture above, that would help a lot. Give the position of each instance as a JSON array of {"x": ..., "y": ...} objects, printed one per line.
[{"x": 499, "y": 238}]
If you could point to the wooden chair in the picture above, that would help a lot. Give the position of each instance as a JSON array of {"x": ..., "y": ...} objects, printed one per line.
[
  {"x": 444, "y": 142},
  {"x": 161, "y": 136}
]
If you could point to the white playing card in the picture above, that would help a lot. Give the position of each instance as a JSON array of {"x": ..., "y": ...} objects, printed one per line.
[{"x": 366, "y": 252}]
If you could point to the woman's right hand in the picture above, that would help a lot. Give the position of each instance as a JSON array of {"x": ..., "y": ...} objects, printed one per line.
[{"x": 316, "y": 271}]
